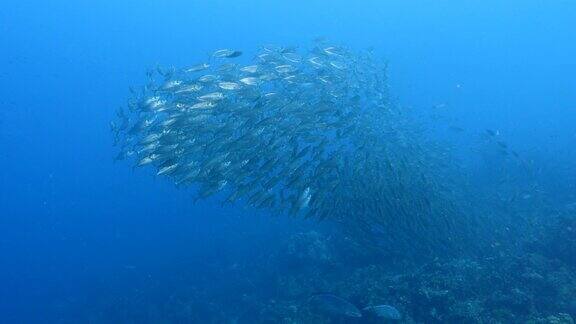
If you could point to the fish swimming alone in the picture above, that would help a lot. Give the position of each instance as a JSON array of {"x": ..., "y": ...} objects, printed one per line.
[
  {"x": 334, "y": 305},
  {"x": 384, "y": 311},
  {"x": 226, "y": 53}
]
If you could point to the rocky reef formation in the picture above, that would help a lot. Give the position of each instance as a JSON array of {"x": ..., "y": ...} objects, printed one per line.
[{"x": 535, "y": 284}]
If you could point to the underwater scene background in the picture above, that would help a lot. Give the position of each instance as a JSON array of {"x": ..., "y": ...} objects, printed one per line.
[{"x": 288, "y": 161}]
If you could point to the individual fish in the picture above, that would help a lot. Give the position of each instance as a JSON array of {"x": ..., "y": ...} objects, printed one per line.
[
  {"x": 213, "y": 96},
  {"x": 226, "y": 53},
  {"x": 333, "y": 51},
  {"x": 234, "y": 54},
  {"x": 123, "y": 154},
  {"x": 338, "y": 65},
  {"x": 189, "y": 88},
  {"x": 150, "y": 138},
  {"x": 304, "y": 198},
  {"x": 203, "y": 105},
  {"x": 269, "y": 77},
  {"x": 292, "y": 57},
  {"x": 140, "y": 126},
  {"x": 114, "y": 127},
  {"x": 124, "y": 123},
  {"x": 286, "y": 68},
  {"x": 152, "y": 103},
  {"x": 250, "y": 81},
  {"x": 197, "y": 68},
  {"x": 165, "y": 72},
  {"x": 492, "y": 133},
  {"x": 502, "y": 144},
  {"x": 227, "y": 68},
  {"x": 250, "y": 69},
  {"x": 171, "y": 84},
  {"x": 148, "y": 148},
  {"x": 168, "y": 169},
  {"x": 334, "y": 305},
  {"x": 149, "y": 159},
  {"x": 384, "y": 311},
  {"x": 229, "y": 86},
  {"x": 208, "y": 78},
  {"x": 316, "y": 62}
]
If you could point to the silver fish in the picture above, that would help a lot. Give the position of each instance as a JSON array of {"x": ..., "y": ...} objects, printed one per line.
[
  {"x": 213, "y": 96},
  {"x": 250, "y": 81},
  {"x": 197, "y": 68},
  {"x": 229, "y": 86},
  {"x": 226, "y": 53},
  {"x": 250, "y": 69}
]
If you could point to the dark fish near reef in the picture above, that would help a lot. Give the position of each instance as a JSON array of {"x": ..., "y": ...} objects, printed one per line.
[
  {"x": 384, "y": 311},
  {"x": 492, "y": 133},
  {"x": 234, "y": 54},
  {"x": 334, "y": 305}
]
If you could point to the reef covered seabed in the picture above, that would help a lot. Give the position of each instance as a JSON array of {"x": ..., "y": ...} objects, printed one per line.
[{"x": 532, "y": 283}]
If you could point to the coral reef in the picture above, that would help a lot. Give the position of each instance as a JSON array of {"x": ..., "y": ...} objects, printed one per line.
[{"x": 536, "y": 284}]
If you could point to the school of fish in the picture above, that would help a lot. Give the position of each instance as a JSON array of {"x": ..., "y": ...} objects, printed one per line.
[{"x": 302, "y": 132}]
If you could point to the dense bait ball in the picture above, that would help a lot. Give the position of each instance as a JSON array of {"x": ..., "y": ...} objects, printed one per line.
[{"x": 310, "y": 133}]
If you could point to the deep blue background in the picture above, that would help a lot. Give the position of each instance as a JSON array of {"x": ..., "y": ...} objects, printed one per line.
[{"x": 70, "y": 218}]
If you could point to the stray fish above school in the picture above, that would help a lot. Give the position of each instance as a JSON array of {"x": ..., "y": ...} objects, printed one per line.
[
  {"x": 226, "y": 53},
  {"x": 302, "y": 132}
]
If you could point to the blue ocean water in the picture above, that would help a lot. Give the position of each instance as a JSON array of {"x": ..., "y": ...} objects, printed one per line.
[{"x": 87, "y": 240}]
